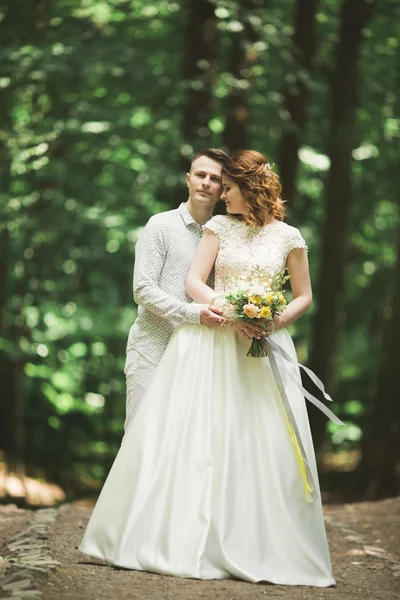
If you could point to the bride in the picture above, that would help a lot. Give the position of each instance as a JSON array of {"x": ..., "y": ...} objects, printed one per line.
[{"x": 207, "y": 483}]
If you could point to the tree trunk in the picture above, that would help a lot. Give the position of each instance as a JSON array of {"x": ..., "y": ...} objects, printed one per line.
[
  {"x": 296, "y": 95},
  {"x": 199, "y": 70},
  {"x": 378, "y": 475},
  {"x": 21, "y": 25},
  {"x": 11, "y": 405},
  {"x": 240, "y": 61},
  {"x": 42, "y": 8},
  {"x": 338, "y": 199},
  {"x": 10, "y": 424}
]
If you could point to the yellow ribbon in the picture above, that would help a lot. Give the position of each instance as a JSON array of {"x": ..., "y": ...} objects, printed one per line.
[
  {"x": 277, "y": 356},
  {"x": 297, "y": 452}
]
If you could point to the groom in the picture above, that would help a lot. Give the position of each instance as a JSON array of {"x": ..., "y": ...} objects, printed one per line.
[{"x": 163, "y": 255}]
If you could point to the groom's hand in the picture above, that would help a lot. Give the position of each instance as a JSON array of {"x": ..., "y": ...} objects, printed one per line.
[{"x": 211, "y": 316}]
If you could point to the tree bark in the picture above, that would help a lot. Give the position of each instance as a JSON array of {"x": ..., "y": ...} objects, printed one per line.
[
  {"x": 296, "y": 95},
  {"x": 240, "y": 61},
  {"x": 11, "y": 405},
  {"x": 199, "y": 69},
  {"x": 22, "y": 24},
  {"x": 377, "y": 476},
  {"x": 42, "y": 8},
  {"x": 338, "y": 200}
]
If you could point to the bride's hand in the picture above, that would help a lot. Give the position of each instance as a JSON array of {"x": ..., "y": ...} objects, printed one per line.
[
  {"x": 250, "y": 331},
  {"x": 268, "y": 326}
]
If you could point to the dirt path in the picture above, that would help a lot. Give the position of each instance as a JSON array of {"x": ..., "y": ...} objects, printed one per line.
[{"x": 365, "y": 548}]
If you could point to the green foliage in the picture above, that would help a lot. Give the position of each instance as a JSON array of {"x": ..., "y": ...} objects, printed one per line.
[{"x": 91, "y": 145}]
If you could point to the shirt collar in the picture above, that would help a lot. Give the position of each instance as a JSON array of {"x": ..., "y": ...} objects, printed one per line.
[{"x": 186, "y": 216}]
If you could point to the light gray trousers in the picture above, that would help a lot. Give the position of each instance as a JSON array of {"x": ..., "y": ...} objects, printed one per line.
[{"x": 139, "y": 372}]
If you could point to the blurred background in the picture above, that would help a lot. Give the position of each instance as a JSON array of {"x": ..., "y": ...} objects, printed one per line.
[{"x": 102, "y": 105}]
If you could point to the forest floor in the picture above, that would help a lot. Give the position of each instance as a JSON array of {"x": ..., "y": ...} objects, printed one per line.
[{"x": 364, "y": 540}]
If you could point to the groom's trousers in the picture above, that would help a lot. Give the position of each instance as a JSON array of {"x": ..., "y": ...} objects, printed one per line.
[{"x": 139, "y": 372}]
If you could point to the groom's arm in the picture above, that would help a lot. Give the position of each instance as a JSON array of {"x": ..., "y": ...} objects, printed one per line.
[{"x": 150, "y": 255}]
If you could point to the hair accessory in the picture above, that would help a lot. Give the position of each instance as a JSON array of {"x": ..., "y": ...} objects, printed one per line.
[{"x": 267, "y": 168}]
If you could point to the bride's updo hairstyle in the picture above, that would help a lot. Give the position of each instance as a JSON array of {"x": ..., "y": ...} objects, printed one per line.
[{"x": 259, "y": 185}]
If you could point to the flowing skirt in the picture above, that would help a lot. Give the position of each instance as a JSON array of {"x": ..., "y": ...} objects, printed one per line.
[{"x": 206, "y": 483}]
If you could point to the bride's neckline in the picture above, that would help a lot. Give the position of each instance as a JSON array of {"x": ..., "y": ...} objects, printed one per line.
[
  {"x": 236, "y": 220},
  {"x": 274, "y": 222}
]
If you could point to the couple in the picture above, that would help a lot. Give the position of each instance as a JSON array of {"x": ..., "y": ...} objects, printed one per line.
[{"x": 207, "y": 483}]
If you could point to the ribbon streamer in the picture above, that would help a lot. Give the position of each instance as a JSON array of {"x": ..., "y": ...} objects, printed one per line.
[{"x": 277, "y": 356}]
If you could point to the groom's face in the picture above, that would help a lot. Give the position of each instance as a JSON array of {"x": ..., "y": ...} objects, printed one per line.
[{"x": 204, "y": 181}]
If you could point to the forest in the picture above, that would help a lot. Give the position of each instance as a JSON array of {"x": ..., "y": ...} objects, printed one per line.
[{"x": 102, "y": 105}]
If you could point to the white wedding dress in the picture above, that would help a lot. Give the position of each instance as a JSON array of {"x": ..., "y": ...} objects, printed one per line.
[{"x": 206, "y": 483}]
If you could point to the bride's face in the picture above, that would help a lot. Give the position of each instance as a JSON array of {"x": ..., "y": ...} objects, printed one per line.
[{"x": 233, "y": 197}]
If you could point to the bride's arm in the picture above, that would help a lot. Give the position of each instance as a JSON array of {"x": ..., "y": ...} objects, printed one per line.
[
  {"x": 202, "y": 264},
  {"x": 297, "y": 264}
]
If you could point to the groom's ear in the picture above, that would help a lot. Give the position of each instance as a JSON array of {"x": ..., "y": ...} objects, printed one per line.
[{"x": 187, "y": 178}]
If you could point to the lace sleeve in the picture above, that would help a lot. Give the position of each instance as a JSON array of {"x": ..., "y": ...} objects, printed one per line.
[
  {"x": 295, "y": 240},
  {"x": 215, "y": 225}
]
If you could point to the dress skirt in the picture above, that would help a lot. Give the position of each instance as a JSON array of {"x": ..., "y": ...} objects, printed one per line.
[{"x": 206, "y": 483}]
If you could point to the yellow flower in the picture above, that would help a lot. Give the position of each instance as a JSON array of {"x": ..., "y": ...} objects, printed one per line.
[
  {"x": 265, "y": 312},
  {"x": 270, "y": 298},
  {"x": 281, "y": 298},
  {"x": 255, "y": 300}
]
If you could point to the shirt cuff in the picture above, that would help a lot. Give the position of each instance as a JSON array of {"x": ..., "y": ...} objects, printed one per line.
[{"x": 193, "y": 314}]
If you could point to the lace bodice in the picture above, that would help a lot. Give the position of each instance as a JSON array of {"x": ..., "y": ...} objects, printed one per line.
[{"x": 242, "y": 248}]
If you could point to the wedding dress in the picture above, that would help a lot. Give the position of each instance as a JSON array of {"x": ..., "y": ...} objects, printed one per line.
[{"x": 206, "y": 483}]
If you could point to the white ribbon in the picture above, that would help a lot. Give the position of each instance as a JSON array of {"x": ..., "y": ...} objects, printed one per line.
[
  {"x": 276, "y": 356},
  {"x": 275, "y": 348}
]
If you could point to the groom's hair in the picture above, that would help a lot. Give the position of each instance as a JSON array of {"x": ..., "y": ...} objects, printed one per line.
[{"x": 219, "y": 156}]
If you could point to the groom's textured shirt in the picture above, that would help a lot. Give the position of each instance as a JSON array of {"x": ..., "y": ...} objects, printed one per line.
[{"x": 163, "y": 255}]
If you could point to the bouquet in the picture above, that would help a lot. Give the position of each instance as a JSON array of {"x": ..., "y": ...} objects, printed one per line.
[{"x": 256, "y": 298}]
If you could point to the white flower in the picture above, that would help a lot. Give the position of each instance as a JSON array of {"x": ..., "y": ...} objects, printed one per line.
[
  {"x": 243, "y": 285},
  {"x": 257, "y": 290}
]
